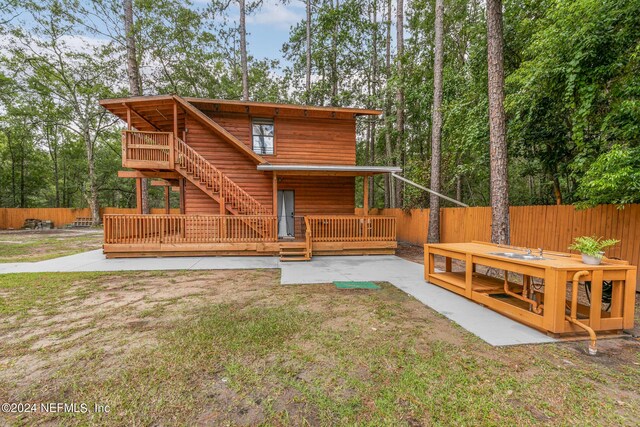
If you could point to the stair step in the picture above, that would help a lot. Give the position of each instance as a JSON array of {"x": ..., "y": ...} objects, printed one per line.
[
  {"x": 292, "y": 248},
  {"x": 300, "y": 258},
  {"x": 298, "y": 252}
]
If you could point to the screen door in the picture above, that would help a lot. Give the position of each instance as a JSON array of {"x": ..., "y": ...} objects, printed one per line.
[{"x": 286, "y": 212}]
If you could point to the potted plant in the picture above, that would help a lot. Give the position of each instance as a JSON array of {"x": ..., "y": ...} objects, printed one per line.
[{"x": 591, "y": 248}]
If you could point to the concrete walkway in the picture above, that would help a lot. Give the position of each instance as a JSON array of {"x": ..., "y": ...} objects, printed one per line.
[{"x": 490, "y": 326}]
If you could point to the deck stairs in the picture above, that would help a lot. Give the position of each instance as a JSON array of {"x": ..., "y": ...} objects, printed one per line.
[
  {"x": 214, "y": 183},
  {"x": 201, "y": 173},
  {"x": 294, "y": 251}
]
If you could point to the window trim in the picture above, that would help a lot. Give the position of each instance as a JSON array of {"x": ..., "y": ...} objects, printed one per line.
[{"x": 273, "y": 120}]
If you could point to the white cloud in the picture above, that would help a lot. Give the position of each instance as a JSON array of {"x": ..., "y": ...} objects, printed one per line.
[{"x": 277, "y": 15}]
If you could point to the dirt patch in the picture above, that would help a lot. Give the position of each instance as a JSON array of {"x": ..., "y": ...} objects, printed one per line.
[
  {"x": 38, "y": 245},
  {"x": 236, "y": 348}
]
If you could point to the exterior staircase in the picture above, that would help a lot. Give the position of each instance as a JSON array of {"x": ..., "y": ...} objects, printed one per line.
[{"x": 201, "y": 173}]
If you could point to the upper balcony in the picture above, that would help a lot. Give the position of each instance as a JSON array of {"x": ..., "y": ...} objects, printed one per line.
[{"x": 147, "y": 150}]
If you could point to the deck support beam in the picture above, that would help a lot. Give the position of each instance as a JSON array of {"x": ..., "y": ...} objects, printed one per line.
[
  {"x": 365, "y": 192},
  {"x": 167, "y": 204},
  {"x": 275, "y": 194},
  {"x": 139, "y": 196},
  {"x": 182, "y": 211}
]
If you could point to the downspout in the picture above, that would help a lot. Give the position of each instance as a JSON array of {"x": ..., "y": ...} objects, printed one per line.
[{"x": 573, "y": 318}]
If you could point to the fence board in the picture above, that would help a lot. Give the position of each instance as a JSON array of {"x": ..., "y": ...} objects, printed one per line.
[
  {"x": 12, "y": 218},
  {"x": 549, "y": 227}
]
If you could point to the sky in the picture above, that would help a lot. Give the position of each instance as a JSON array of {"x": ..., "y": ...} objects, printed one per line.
[{"x": 268, "y": 27}]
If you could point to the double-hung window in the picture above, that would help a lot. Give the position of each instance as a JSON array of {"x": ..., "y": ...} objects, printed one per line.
[{"x": 262, "y": 136}]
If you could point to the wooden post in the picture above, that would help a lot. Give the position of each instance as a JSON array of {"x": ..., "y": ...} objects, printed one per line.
[
  {"x": 172, "y": 143},
  {"x": 128, "y": 117},
  {"x": 629, "y": 298},
  {"x": 182, "y": 196},
  {"x": 275, "y": 196},
  {"x": 468, "y": 274},
  {"x": 139, "y": 195},
  {"x": 365, "y": 191},
  {"x": 167, "y": 204},
  {"x": 221, "y": 195},
  {"x": 175, "y": 118}
]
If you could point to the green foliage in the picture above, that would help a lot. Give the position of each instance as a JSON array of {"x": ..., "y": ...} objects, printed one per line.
[
  {"x": 592, "y": 245},
  {"x": 572, "y": 91},
  {"x": 614, "y": 177}
]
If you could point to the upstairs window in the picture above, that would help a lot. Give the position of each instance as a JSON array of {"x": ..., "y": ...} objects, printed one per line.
[{"x": 262, "y": 136}]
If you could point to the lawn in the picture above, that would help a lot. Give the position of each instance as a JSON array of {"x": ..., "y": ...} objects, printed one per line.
[
  {"x": 235, "y": 347},
  {"x": 39, "y": 245}
]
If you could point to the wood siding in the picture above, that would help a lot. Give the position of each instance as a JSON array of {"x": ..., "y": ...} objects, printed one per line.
[
  {"x": 300, "y": 140},
  {"x": 236, "y": 165},
  {"x": 321, "y": 195}
]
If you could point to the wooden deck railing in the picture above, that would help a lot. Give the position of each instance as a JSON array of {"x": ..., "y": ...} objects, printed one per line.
[
  {"x": 201, "y": 169},
  {"x": 160, "y": 150},
  {"x": 332, "y": 228},
  {"x": 147, "y": 148},
  {"x": 139, "y": 229}
]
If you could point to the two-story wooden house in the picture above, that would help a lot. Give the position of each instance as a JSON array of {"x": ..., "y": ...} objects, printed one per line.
[{"x": 253, "y": 178}]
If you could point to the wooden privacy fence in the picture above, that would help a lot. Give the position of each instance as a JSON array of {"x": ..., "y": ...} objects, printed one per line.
[
  {"x": 14, "y": 217},
  {"x": 548, "y": 227}
]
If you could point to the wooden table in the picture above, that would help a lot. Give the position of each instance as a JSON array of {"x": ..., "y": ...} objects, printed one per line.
[{"x": 536, "y": 290}]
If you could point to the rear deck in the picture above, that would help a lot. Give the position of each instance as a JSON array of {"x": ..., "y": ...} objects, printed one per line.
[{"x": 200, "y": 235}]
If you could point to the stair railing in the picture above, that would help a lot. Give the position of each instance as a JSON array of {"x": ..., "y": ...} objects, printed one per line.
[{"x": 229, "y": 192}]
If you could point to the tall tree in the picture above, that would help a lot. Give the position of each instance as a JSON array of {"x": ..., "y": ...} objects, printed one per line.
[
  {"x": 499, "y": 186},
  {"x": 436, "y": 125},
  {"x": 389, "y": 190},
  {"x": 373, "y": 94},
  {"x": 135, "y": 81},
  {"x": 308, "y": 52},
  {"x": 243, "y": 50},
  {"x": 400, "y": 143}
]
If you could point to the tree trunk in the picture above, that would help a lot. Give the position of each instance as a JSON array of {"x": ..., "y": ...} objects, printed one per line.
[
  {"x": 557, "y": 191},
  {"x": 308, "y": 68},
  {"x": 243, "y": 51},
  {"x": 334, "y": 57},
  {"x": 374, "y": 93},
  {"x": 22, "y": 195},
  {"x": 92, "y": 196},
  {"x": 436, "y": 126},
  {"x": 389, "y": 190},
  {"x": 400, "y": 156},
  {"x": 133, "y": 69},
  {"x": 497, "y": 125},
  {"x": 135, "y": 82}
]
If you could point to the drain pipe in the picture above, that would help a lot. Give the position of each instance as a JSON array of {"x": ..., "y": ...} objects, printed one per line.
[
  {"x": 428, "y": 190},
  {"x": 573, "y": 318}
]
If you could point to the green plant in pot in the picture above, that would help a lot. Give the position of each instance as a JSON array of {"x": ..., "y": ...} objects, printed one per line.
[{"x": 592, "y": 248}]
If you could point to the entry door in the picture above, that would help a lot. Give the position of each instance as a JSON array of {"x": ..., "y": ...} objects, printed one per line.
[{"x": 286, "y": 212}]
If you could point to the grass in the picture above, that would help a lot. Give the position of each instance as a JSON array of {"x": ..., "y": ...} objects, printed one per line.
[
  {"x": 234, "y": 347},
  {"x": 32, "y": 246}
]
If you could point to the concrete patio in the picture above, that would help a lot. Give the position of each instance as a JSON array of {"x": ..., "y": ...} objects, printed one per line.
[{"x": 488, "y": 325}]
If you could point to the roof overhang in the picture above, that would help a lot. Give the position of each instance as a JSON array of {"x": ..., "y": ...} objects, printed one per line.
[
  {"x": 328, "y": 170},
  {"x": 245, "y": 107}
]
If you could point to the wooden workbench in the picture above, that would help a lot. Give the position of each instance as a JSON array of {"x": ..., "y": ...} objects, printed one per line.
[{"x": 544, "y": 299}]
